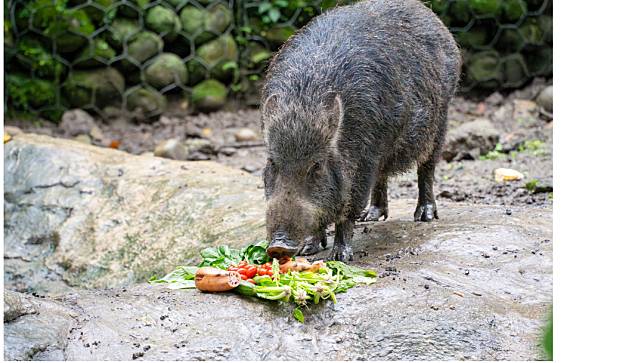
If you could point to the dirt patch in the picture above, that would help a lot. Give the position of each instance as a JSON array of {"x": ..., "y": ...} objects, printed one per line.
[{"x": 525, "y": 144}]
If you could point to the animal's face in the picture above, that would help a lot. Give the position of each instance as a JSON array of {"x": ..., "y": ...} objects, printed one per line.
[{"x": 302, "y": 178}]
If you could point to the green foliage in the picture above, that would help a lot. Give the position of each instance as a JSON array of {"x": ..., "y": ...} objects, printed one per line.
[
  {"x": 532, "y": 185},
  {"x": 26, "y": 95},
  {"x": 547, "y": 339},
  {"x": 33, "y": 56},
  {"x": 504, "y": 42},
  {"x": 494, "y": 154},
  {"x": 535, "y": 147}
]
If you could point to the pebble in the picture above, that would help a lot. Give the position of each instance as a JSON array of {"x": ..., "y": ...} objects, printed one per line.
[
  {"x": 12, "y": 130},
  {"x": 96, "y": 134},
  {"x": 245, "y": 134},
  {"x": 171, "y": 149},
  {"x": 76, "y": 122},
  {"x": 504, "y": 174},
  {"x": 85, "y": 139},
  {"x": 544, "y": 99},
  {"x": 228, "y": 151},
  {"x": 250, "y": 168}
]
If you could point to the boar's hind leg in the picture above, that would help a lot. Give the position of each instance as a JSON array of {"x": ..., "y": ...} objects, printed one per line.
[
  {"x": 378, "y": 207},
  {"x": 426, "y": 208},
  {"x": 342, "y": 250}
]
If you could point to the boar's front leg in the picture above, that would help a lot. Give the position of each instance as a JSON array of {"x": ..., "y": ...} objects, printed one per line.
[
  {"x": 342, "y": 250},
  {"x": 426, "y": 208},
  {"x": 314, "y": 244},
  {"x": 378, "y": 207}
]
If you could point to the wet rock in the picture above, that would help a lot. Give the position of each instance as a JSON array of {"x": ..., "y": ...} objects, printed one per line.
[
  {"x": 15, "y": 306},
  {"x": 39, "y": 334},
  {"x": 545, "y": 99},
  {"x": 171, "y": 149},
  {"x": 396, "y": 314},
  {"x": 101, "y": 217},
  {"x": 245, "y": 134},
  {"x": 77, "y": 122},
  {"x": 505, "y": 174},
  {"x": 470, "y": 140}
]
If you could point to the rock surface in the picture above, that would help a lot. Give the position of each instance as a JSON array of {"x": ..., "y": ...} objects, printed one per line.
[
  {"x": 470, "y": 140},
  {"x": 95, "y": 217},
  {"x": 476, "y": 284},
  {"x": 545, "y": 99}
]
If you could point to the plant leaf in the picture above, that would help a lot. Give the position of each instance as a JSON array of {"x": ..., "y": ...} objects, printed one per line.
[{"x": 298, "y": 315}]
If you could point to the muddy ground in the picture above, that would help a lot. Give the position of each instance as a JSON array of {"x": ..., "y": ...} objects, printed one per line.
[
  {"x": 525, "y": 131},
  {"x": 84, "y": 234}
]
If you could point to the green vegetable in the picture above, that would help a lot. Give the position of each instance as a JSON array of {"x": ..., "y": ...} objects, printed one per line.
[
  {"x": 298, "y": 315},
  {"x": 300, "y": 288},
  {"x": 183, "y": 277},
  {"x": 224, "y": 256}
]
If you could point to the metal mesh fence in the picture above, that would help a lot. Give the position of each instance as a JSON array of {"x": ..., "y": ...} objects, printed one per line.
[{"x": 135, "y": 57}]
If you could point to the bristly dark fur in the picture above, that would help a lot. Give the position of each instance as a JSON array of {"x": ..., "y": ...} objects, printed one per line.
[{"x": 359, "y": 94}]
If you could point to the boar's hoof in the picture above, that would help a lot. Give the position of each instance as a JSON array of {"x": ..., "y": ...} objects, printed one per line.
[
  {"x": 373, "y": 213},
  {"x": 311, "y": 248},
  {"x": 341, "y": 253},
  {"x": 425, "y": 212}
]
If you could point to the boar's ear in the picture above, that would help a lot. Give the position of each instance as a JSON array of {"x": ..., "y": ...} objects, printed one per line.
[
  {"x": 269, "y": 110},
  {"x": 336, "y": 113}
]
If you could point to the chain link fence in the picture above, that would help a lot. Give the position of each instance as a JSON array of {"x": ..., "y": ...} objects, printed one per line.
[{"x": 142, "y": 57}]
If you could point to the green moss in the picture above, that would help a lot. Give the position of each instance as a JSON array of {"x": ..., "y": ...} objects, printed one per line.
[
  {"x": 209, "y": 95},
  {"x": 166, "y": 69},
  {"x": 97, "y": 53},
  {"x": 147, "y": 100},
  {"x": 120, "y": 30},
  {"x": 163, "y": 21},
  {"x": 99, "y": 87}
]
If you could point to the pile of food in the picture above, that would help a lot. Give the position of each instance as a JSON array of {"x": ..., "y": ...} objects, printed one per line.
[{"x": 251, "y": 272}]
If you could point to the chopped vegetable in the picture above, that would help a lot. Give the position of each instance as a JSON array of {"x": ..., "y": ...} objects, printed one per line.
[
  {"x": 297, "y": 280},
  {"x": 210, "y": 279}
]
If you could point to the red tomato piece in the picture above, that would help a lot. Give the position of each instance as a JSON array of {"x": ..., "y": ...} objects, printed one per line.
[{"x": 252, "y": 271}]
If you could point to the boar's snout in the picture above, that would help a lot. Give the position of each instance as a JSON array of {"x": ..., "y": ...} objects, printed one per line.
[{"x": 282, "y": 246}]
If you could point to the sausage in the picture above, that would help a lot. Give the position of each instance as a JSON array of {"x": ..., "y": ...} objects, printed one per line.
[{"x": 210, "y": 279}]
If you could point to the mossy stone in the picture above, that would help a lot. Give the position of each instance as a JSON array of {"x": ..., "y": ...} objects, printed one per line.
[{"x": 209, "y": 95}]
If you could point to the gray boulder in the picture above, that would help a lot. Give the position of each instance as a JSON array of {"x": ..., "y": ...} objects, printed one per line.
[
  {"x": 77, "y": 122},
  {"x": 97, "y": 217},
  {"x": 470, "y": 140},
  {"x": 545, "y": 99}
]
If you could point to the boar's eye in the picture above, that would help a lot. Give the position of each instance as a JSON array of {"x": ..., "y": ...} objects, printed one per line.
[{"x": 315, "y": 168}]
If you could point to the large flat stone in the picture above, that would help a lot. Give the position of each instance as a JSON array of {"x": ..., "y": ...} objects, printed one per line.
[
  {"x": 476, "y": 284},
  {"x": 86, "y": 216}
]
